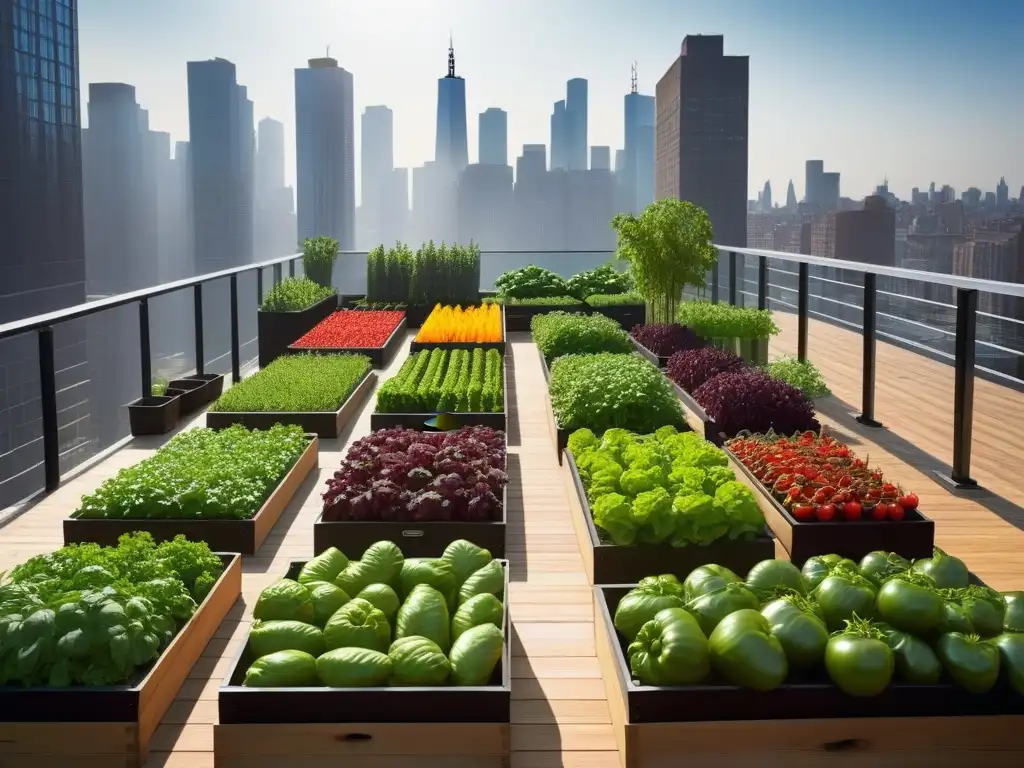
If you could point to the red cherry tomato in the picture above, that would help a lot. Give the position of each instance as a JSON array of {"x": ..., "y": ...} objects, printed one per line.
[
  {"x": 895, "y": 512},
  {"x": 851, "y": 510},
  {"x": 803, "y": 511},
  {"x": 879, "y": 511},
  {"x": 825, "y": 512},
  {"x": 909, "y": 501}
]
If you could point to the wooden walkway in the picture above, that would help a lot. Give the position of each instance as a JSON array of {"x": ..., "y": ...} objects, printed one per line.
[{"x": 559, "y": 713}]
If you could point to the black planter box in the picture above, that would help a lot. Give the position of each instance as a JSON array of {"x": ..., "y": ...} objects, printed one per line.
[
  {"x": 214, "y": 385},
  {"x": 379, "y": 356},
  {"x": 519, "y": 316},
  {"x": 279, "y": 329},
  {"x": 912, "y": 537},
  {"x": 193, "y": 394},
  {"x": 559, "y": 436},
  {"x": 416, "y": 346},
  {"x": 327, "y": 424},
  {"x": 626, "y": 315},
  {"x": 154, "y": 415},
  {"x": 661, "y": 361},
  {"x": 353, "y": 537},
  {"x": 389, "y": 704},
  {"x": 814, "y": 698},
  {"x": 614, "y": 564}
]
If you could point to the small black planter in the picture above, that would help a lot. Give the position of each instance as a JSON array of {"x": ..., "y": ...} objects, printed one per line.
[
  {"x": 154, "y": 415},
  {"x": 194, "y": 393},
  {"x": 626, "y": 315},
  {"x": 279, "y": 329},
  {"x": 214, "y": 384}
]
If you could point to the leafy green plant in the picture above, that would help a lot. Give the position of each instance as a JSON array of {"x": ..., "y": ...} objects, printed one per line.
[
  {"x": 446, "y": 381},
  {"x": 159, "y": 386},
  {"x": 725, "y": 321},
  {"x": 200, "y": 474},
  {"x": 295, "y": 294},
  {"x": 445, "y": 274},
  {"x": 530, "y": 282},
  {"x": 296, "y": 384},
  {"x": 566, "y": 333},
  {"x": 801, "y": 374},
  {"x": 605, "y": 391},
  {"x": 388, "y": 273},
  {"x": 615, "y": 299},
  {"x": 318, "y": 255},
  {"x": 604, "y": 280},
  {"x": 668, "y": 247},
  {"x": 542, "y": 301}
]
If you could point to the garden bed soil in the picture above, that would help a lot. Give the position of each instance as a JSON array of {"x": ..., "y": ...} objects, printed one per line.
[
  {"x": 626, "y": 315},
  {"x": 276, "y": 330},
  {"x": 416, "y": 346},
  {"x": 242, "y": 536},
  {"x": 661, "y": 361},
  {"x": 110, "y": 725},
  {"x": 912, "y": 537},
  {"x": 154, "y": 415},
  {"x": 386, "y": 727},
  {"x": 325, "y": 424},
  {"x": 802, "y": 724},
  {"x": 379, "y": 356},
  {"x": 428, "y": 539},
  {"x": 519, "y": 316},
  {"x": 613, "y": 564}
]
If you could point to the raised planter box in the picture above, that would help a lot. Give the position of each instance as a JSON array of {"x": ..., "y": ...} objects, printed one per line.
[
  {"x": 661, "y": 361},
  {"x": 440, "y": 727},
  {"x": 614, "y": 564},
  {"x": 328, "y": 425},
  {"x": 193, "y": 394},
  {"x": 379, "y": 356},
  {"x": 416, "y": 420},
  {"x": 154, "y": 415},
  {"x": 353, "y": 537},
  {"x": 559, "y": 436},
  {"x": 912, "y": 537},
  {"x": 214, "y": 385},
  {"x": 807, "y": 723},
  {"x": 416, "y": 346},
  {"x": 626, "y": 315},
  {"x": 110, "y": 725},
  {"x": 279, "y": 329},
  {"x": 243, "y": 536},
  {"x": 519, "y": 316}
]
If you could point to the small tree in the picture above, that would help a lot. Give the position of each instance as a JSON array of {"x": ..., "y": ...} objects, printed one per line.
[
  {"x": 318, "y": 255},
  {"x": 668, "y": 247}
]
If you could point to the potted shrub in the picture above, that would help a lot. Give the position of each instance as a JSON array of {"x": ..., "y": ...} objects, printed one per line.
[
  {"x": 291, "y": 309},
  {"x": 318, "y": 255},
  {"x": 744, "y": 330}
]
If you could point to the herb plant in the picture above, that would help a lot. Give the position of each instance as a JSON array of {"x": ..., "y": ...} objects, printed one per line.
[
  {"x": 201, "y": 474},
  {"x": 666, "y": 339},
  {"x": 531, "y": 282},
  {"x": 296, "y": 384},
  {"x": 294, "y": 294},
  {"x": 606, "y": 390},
  {"x": 567, "y": 333},
  {"x": 691, "y": 368},
  {"x": 446, "y": 274},
  {"x": 446, "y": 381},
  {"x": 801, "y": 374},
  {"x": 544, "y": 301},
  {"x": 615, "y": 299},
  {"x": 318, "y": 255},
  {"x": 158, "y": 387},
  {"x": 725, "y": 321},
  {"x": 751, "y": 400},
  {"x": 388, "y": 272},
  {"x": 604, "y": 280}
]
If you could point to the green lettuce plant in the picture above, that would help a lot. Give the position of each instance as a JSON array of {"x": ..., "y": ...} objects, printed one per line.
[
  {"x": 801, "y": 374},
  {"x": 295, "y": 294},
  {"x": 604, "y": 280},
  {"x": 565, "y": 333},
  {"x": 614, "y": 299},
  {"x": 725, "y": 321}
]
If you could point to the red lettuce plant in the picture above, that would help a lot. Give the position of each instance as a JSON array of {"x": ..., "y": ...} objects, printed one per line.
[
  {"x": 666, "y": 338},
  {"x": 693, "y": 367},
  {"x": 750, "y": 399}
]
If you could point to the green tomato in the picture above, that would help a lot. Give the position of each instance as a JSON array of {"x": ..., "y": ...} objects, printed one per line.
[
  {"x": 859, "y": 666},
  {"x": 744, "y": 652},
  {"x": 841, "y": 595},
  {"x": 670, "y": 649},
  {"x": 708, "y": 578},
  {"x": 948, "y": 572},
  {"x": 972, "y": 663},
  {"x": 1011, "y": 658},
  {"x": 711, "y": 608},
  {"x": 985, "y": 609},
  {"x": 1013, "y": 620},
  {"x": 769, "y": 576},
  {"x": 814, "y": 572},
  {"x": 910, "y": 607},
  {"x": 836, "y": 561},
  {"x": 954, "y": 619},
  {"x": 802, "y": 634},
  {"x": 916, "y": 662},
  {"x": 877, "y": 567}
]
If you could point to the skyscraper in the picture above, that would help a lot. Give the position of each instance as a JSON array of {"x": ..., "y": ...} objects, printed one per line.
[
  {"x": 451, "y": 150},
  {"x": 600, "y": 158},
  {"x": 576, "y": 124},
  {"x": 829, "y": 191},
  {"x": 791, "y": 197},
  {"x": 1002, "y": 193},
  {"x": 269, "y": 156},
  {"x": 377, "y": 163},
  {"x": 559, "y": 137},
  {"x": 639, "y": 149},
  {"x": 275, "y": 203},
  {"x": 494, "y": 137},
  {"x": 813, "y": 171},
  {"x": 42, "y": 258},
  {"x": 766, "y": 197},
  {"x": 325, "y": 152},
  {"x": 702, "y": 149},
  {"x": 221, "y": 147}
]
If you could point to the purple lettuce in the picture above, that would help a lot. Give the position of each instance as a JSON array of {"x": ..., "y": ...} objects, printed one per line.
[
  {"x": 750, "y": 399},
  {"x": 665, "y": 339},
  {"x": 690, "y": 369}
]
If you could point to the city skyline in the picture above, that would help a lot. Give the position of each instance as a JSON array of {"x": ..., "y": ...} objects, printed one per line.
[{"x": 815, "y": 92}]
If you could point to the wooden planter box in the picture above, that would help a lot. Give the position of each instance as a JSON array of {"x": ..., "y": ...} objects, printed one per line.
[
  {"x": 614, "y": 564},
  {"x": 328, "y": 425},
  {"x": 279, "y": 329},
  {"x": 519, "y": 316},
  {"x": 808, "y": 723},
  {"x": 439, "y": 727},
  {"x": 416, "y": 346},
  {"x": 912, "y": 537},
  {"x": 353, "y": 537},
  {"x": 626, "y": 315},
  {"x": 661, "y": 361},
  {"x": 243, "y": 536},
  {"x": 379, "y": 356},
  {"x": 111, "y": 725},
  {"x": 154, "y": 415}
]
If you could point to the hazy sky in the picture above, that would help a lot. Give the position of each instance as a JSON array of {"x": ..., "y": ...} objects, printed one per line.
[{"x": 919, "y": 90}]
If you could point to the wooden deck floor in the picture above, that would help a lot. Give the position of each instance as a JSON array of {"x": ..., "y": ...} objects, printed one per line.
[{"x": 559, "y": 713}]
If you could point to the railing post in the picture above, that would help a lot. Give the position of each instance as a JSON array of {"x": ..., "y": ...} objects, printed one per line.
[
  {"x": 291, "y": 268},
  {"x": 867, "y": 415},
  {"x": 277, "y": 274},
  {"x": 259, "y": 286},
  {"x": 762, "y": 282},
  {"x": 236, "y": 353},
  {"x": 145, "y": 353},
  {"x": 963, "y": 387},
  {"x": 48, "y": 396},
  {"x": 733, "y": 258},
  {"x": 801, "y": 311},
  {"x": 714, "y": 278},
  {"x": 197, "y": 307}
]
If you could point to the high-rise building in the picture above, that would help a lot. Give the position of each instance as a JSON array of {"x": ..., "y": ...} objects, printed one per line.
[
  {"x": 600, "y": 158},
  {"x": 275, "y": 203},
  {"x": 377, "y": 153},
  {"x": 42, "y": 259},
  {"x": 325, "y": 154},
  {"x": 702, "y": 149},
  {"x": 639, "y": 149},
  {"x": 766, "y": 197},
  {"x": 576, "y": 124},
  {"x": 813, "y": 171},
  {"x": 829, "y": 191},
  {"x": 484, "y": 203},
  {"x": 559, "y": 137},
  {"x": 867, "y": 236},
  {"x": 493, "y": 135},
  {"x": 791, "y": 197},
  {"x": 269, "y": 156},
  {"x": 221, "y": 147},
  {"x": 451, "y": 150},
  {"x": 1002, "y": 193}
]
